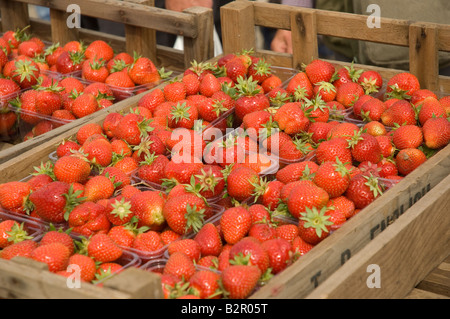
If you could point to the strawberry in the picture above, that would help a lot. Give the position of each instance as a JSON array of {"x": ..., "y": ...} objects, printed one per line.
[
  {"x": 210, "y": 180},
  {"x": 209, "y": 85},
  {"x": 143, "y": 71},
  {"x": 53, "y": 200},
  {"x": 120, "y": 213},
  {"x": 359, "y": 103},
  {"x": 363, "y": 190},
  {"x": 30, "y": 48},
  {"x": 180, "y": 266},
  {"x": 183, "y": 114},
  {"x": 175, "y": 91},
  {"x": 317, "y": 110},
  {"x": 365, "y": 147},
  {"x": 152, "y": 99},
  {"x": 306, "y": 196},
  {"x": 147, "y": 206},
  {"x": 387, "y": 148},
  {"x": 94, "y": 70},
  {"x": 297, "y": 171},
  {"x": 409, "y": 159},
  {"x": 272, "y": 82},
  {"x": 23, "y": 248},
  {"x": 88, "y": 218},
  {"x": 326, "y": 91},
  {"x": 204, "y": 284},
  {"x": 14, "y": 38},
  {"x": 291, "y": 119},
  {"x": 119, "y": 79},
  {"x": 106, "y": 270},
  {"x": 319, "y": 71},
  {"x": 372, "y": 110},
  {"x": 85, "y": 104},
  {"x": 337, "y": 218},
  {"x": 86, "y": 265},
  {"x": 148, "y": 241},
  {"x": 402, "y": 85},
  {"x": 236, "y": 68},
  {"x": 375, "y": 128},
  {"x": 387, "y": 168},
  {"x": 250, "y": 98},
  {"x": 343, "y": 204},
  {"x": 428, "y": 108},
  {"x": 332, "y": 149},
  {"x": 121, "y": 179},
  {"x": 239, "y": 281},
  {"x": 420, "y": 95},
  {"x": 71, "y": 169},
  {"x": 99, "y": 49},
  {"x": 98, "y": 187},
  {"x": 119, "y": 62},
  {"x": 152, "y": 168},
  {"x": 69, "y": 62},
  {"x": 131, "y": 128},
  {"x": 54, "y": 235},
  {"x": 300, "y": 247},
  {"x": 262, "y": 231},
  {"x": 185, "y": 213},
  {"x": 407, "y": 136},
  {"x": 241, "y": 183},
  {"x": 249, "y": 250},
  {"x": 209, "y": 240},
  {"x": 287, "y": 232},
  {"x": 125, "y": 235},
  {"x": 371, "y": 81},
  {"x": 349, "y": 93},
  {"x": 343, "y": 130},
  {"x": 260, "y": 70},
  {"x": 436, "y": 132},
  {"x": 188, "y": 246},
  {"x": 99, "y": 152},
  {"x": 99, "y": 89},
  {"x": 333, "y": 178},
  {"x": 191, "y": 84},
  {"x": 235, "y": 224},
  {"x": 401, "y": 112},
  {"x": 87, "y": 130},
  {"x": 13, "y": 195},
  {"x": 25, "y": 72},
  {"x": 346, "y": 74},
  {"x": 314, "y": 225},
  {"x": 279, "y": 252},
  {"x": 12, "y": 232},
  {"x": 103, "y": 249}
]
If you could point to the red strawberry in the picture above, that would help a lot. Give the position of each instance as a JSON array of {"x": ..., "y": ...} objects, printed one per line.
[
  {"x": 319, "y": 71},
  {"x": 143, "y": 71},
  {"x": 149, "y": 241},
  {"x": 89, "y": 218},
  {"x": 205, "y": 284},
  {"x": 297, "y": 171},
  {"x": 407, "y": 136},
  {"x": 152, "y": 168},
  {"x": 365, "y": 147},
  {"x": 363, "y": 190},
  {"x": 241, "y": 183},
  {"x": 291, "y": 119},
  {"x": 103, "y": 249},
  {"x": 55, "y": 255},
  {"x": 436, "y": 132},
  {"x": 371, "y": 81},
  {"x": 87, "y": 130},
  {"x": 58, "y": 236},
  {"x": 209, "y": 240},
  {"x": 13, "y": 195},
  {"x": 314, "y": 225},
  {"x": 239, "y": 281},
  {"x": 333, "y": 177},
  {"x": 262, "y": 231},
  {"x": 349, "y": 93},
  {"x": 188, "y": 246},
  {"x": 343, "y": 204},
  {"x": 175, "y": 91},
  {"x": 94, "y": 70},
  {"x": 428, "y": 108},
  {"x": 306, "y": 196},
  {"x": 99, "y": 49},
  {"x": 23, "y": 248},
  {"x": 372, "y": 110},
  {"x": 409, "y": 159},
  {"x": 235, "y": 224},
  {"x": 180, "y": 266},
  {"x": 250, "y": 98},
  {"x": 86, "y": 265},
  {"x": 236, "y": 68},
  {"x": 402, "y": 85},
  {"x": 332, "y": 149},
  {"x": 300, "y": 247},
  {"x": 249, "y": 251},
  {"x": 148, "y": 208},
  {"x": 287, "y": 231},
  {"x": 271, "y": 83},
  {"x": 401, "y": 112},
  {"x": 98, "y": 187},
  {"x": 209, "y": 85},
  {"x": 279, "y": 252}
]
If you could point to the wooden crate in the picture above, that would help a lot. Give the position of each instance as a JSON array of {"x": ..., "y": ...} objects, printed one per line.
[
  {"x": 141, "y": 21},
  {"x": 24, "y": 278},
  {"x": 140, "y": 18},
  {"x": 405, "y": 253},
  {"x": 424, "y": 40}
]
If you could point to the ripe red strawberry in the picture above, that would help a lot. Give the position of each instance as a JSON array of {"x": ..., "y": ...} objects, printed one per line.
[
  {"x": 346, "y": 74},
  {"x": 103, "y": 249},
  {"x": 148, "y": 208},
  {"x": 372, "y": 110},
  {"x": 297, "y": 171},
  {"x": 85, "y": 104},
  {"x": 23, "y": 248},
  {"x": 99, "y": 89},
  {"x": 333, "y": 177},
  {"x": 287, "y": 231},
  {"x": 239, "y": 281},
  {"x": 420, "y": 95},
  {"x": 148, "y": 241},
  {"x": 125, "y": 235},
  {"x": 250, "y": 98},
  {"x": 343, "y": 204},
  {"x": 99, "y": 152},
  {"x": 87, "y": 130},
  {"x": 385, "y": 142},
  {"x": 375, "y": 128},
  {"x": 86, "y": 265},
  {"x": 359, "y": 103},
  {"x": 291, "y": 119},
  {"x": 152, "y": 168},
  {"x": 94, "y": 70},
  {"x": 314, "y": 225},
  {"x": 209, "y": 240},
  {"x": 185, "y": 213},
  {"x": 319, "y": 71},
  {"x": 211, "y": 181},
  {"x": 55, "y": 255},
  {"x": 409, "y": 159},
  {"x": 436, "y": 132},
  {"x": 262, "y": 231},
  {"x": 259, "y": 70},
  {"x": 365, "y": 147},
  {"x": 236, "y": 68},
  {"x": 349, "y": 93},
  {"x": 12, "y": 232},
  {"x": 337, "y": 217},
  {"x": 175, "y": 91},
  {"x": 241, "y": 183},
  {"x": 402, "y": 85},
  {"x": 271, "y": 83},
  {"x": 119, "y": 80},
  {"x": 71, "y": 169},
  {"x": 235, "y": 224},
  {"x": 131, "y": 128},
  {"x": 180, "y": 266},
  {"x": 363, "y": 190},
  {"x": 53, "y": 200},
  {"x": 88, "y": 218},
  {"x": 249, "y": 251},
  {"x": 69, "y": 62},
  {"x": 25, "y": 72},
  {"x": 191, "y": 83},
  {"x": 407, "y": 136},
  {"x": 326, "y": 91},
  {"x": 152, "y": 99},
  {"x": 13, "y": 195},
  {"x": 401, "y": 112},
  {"x": 183, "y": 114},
  {"x": 300, "y": 247},
  {"x": 143, "y": 71},
  {"x": 58, "y": 236},
  {"x": 371, "y": 81},
  {"x": 98, "y": 187},
  {"x": 209, "y": 85},
  {"x": 120, "y": 212},
  {"x": 279, "y": 252},
  {"x": 188, "y": 246},
  {"x": 99, "y": 49},
  {"x": 428, "y": 108},
  {"x": 306, "y": 196},
  {"x": 332, "y": 149},
  {"x": 205, "y": 284},
  {"x": 387, "y": 168}
]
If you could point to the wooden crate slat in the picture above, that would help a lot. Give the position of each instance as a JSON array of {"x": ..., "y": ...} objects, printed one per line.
[
  {"x": 17, "y": 16},
  {"x": 405, "y": 253}
]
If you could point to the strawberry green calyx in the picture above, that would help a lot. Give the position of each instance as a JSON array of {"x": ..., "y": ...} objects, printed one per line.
[
  {"x": 118, "y": 66},
  {"x": 247, "y": 86},
  {"x": 72, "y": 200},
  {"x": 25, "y": 69},
  {"x": 262, "y": 67},
  {"x": 341, "y": 168},
  {"x": 374, "y": 185},
  {"x": 100, "y": 277},
  {"x": 180, "y": 112},
  {"x": 180, "y": 289},
  {"x": 51, "y": 49},
  {"x": 206, "y": 180},
  {"x": 280, "y": 99},
  {"x": 356, "y": 138},
  {"x": 121, "y": 209},
  {"x": 302, "y": 145},
  {"x": 353, "y": 73},
  {"x": 326, "y": 87},
  {"x": 260, "y": 188},
  {"x": 241, "y": 259},
  {"x": 397, "y": 93},
  {"x": 195, "y": 218},
  {"x": 149, "y": 159},
  {"x": 46, "y": 169},
  {"x": 144, "y": 147},
  {"x": 18, "y": 233},
  {"x": 219, "y": 108},
  {"x": 316, "y": 219},
  {"x": 144, "y": 127}
]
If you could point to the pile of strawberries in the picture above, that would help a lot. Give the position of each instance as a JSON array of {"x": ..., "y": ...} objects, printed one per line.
[
  {"x": 51, "y": 85},
  {"x": 225, "y": 211}
]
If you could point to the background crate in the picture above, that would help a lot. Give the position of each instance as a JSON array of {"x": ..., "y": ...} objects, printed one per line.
[{"x": 424, "y": 40}]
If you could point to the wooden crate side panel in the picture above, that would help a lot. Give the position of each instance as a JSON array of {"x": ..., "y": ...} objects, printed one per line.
[
  {"x": 402, "y": 255},
  {"x": 320, "y": 263},
  {"x": 24, "y": 278}
]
